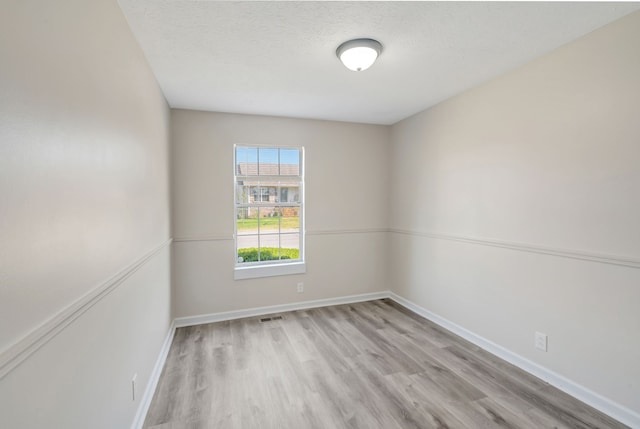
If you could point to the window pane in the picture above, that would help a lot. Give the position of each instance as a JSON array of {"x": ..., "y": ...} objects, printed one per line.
[
  {"x": 269, "y": 221},
  {"x": 290, "y": 246},
  {"x": 247, "y": 221},
  {"x": 255, "y": 194},
  {"x": 268, "y": 158},
  {"x": 290, "y": 219},
  {"x": 270, "y": 241},
  {"x": 263, "y": 195},
  {"x": 283, "y": 194},
  {"x": 247, "y": 248},
  {"x": 246, "y": 161},
  {"x": 243, "y": 192},
  {"x": 289, "y": 162},
  {"x": 269, "y": 193},
  {"x": 289, "y": 192}
]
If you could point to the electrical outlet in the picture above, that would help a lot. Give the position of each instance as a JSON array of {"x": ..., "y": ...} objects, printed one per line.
[
  {"x": 133, "y": 387},
  {"x": 541, "y": 341},
  {"x": 300, "y": 287}
]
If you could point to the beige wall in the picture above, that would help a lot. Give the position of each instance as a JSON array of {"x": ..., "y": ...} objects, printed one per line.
[
  {"x": 83, "y": 196},
  {"x": 546, "y": 156},
  {"x": 346, "y": 203}
]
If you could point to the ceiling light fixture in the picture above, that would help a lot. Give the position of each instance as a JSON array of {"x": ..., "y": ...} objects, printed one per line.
[{"x": 359, "y": 54}]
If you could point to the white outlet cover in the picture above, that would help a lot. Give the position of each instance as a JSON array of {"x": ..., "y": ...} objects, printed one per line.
[{"x": 541, "y": 341}]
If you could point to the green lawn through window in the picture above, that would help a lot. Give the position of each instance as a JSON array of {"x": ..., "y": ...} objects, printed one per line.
[{"x": 269, "y": 223}]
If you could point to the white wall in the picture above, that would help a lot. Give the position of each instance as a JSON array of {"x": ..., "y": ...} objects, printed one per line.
[
  {"x": 83, "y": 197},
  {"x": 346, "y": 210},
  {"x": 546, "y": 157}
]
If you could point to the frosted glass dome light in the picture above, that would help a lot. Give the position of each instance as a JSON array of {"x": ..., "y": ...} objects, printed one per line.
[{"x": 359, "y": 54}]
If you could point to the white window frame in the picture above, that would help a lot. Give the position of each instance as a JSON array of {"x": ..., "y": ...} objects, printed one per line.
[{"x": 248, "y": 270}]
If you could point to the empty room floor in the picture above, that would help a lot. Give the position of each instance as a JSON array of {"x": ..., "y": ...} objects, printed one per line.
[{"x": 367, "y": 365}]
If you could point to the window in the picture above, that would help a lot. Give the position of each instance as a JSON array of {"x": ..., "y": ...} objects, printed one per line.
[
  {"x": 262, "y": 196},
  {"x": 269, "y": 211}
]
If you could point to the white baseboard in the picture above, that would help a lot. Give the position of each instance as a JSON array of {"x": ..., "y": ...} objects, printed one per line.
[
  {"x": 611, "y": 408},
  {"x": 145, "y": 401},
  {"x": 259, "y": 311}
]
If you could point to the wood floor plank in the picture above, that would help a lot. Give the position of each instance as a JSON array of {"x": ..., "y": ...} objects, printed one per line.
[{"x": 372, "y": 365}]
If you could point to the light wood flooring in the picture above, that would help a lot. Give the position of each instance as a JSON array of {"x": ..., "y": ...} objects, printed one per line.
[{"x": 367, "y": 365}]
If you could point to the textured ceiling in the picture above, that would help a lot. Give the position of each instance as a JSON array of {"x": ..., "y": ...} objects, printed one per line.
[{"x": 278, "y": 58}]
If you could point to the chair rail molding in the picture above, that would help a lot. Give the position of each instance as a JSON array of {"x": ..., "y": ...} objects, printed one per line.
[
  {"x": 18, "y": 352},
  {"x": 624, "y": 261}
]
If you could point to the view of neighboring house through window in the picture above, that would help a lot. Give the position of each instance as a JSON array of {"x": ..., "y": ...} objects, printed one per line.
[{"x": 268, "y": 205}]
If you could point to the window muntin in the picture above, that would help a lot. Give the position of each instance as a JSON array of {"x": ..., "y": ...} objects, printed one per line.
[{"x": 269, "y": 185}]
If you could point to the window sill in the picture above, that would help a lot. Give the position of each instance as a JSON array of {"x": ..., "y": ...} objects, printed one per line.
[{"x": 256, "y": 271}]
